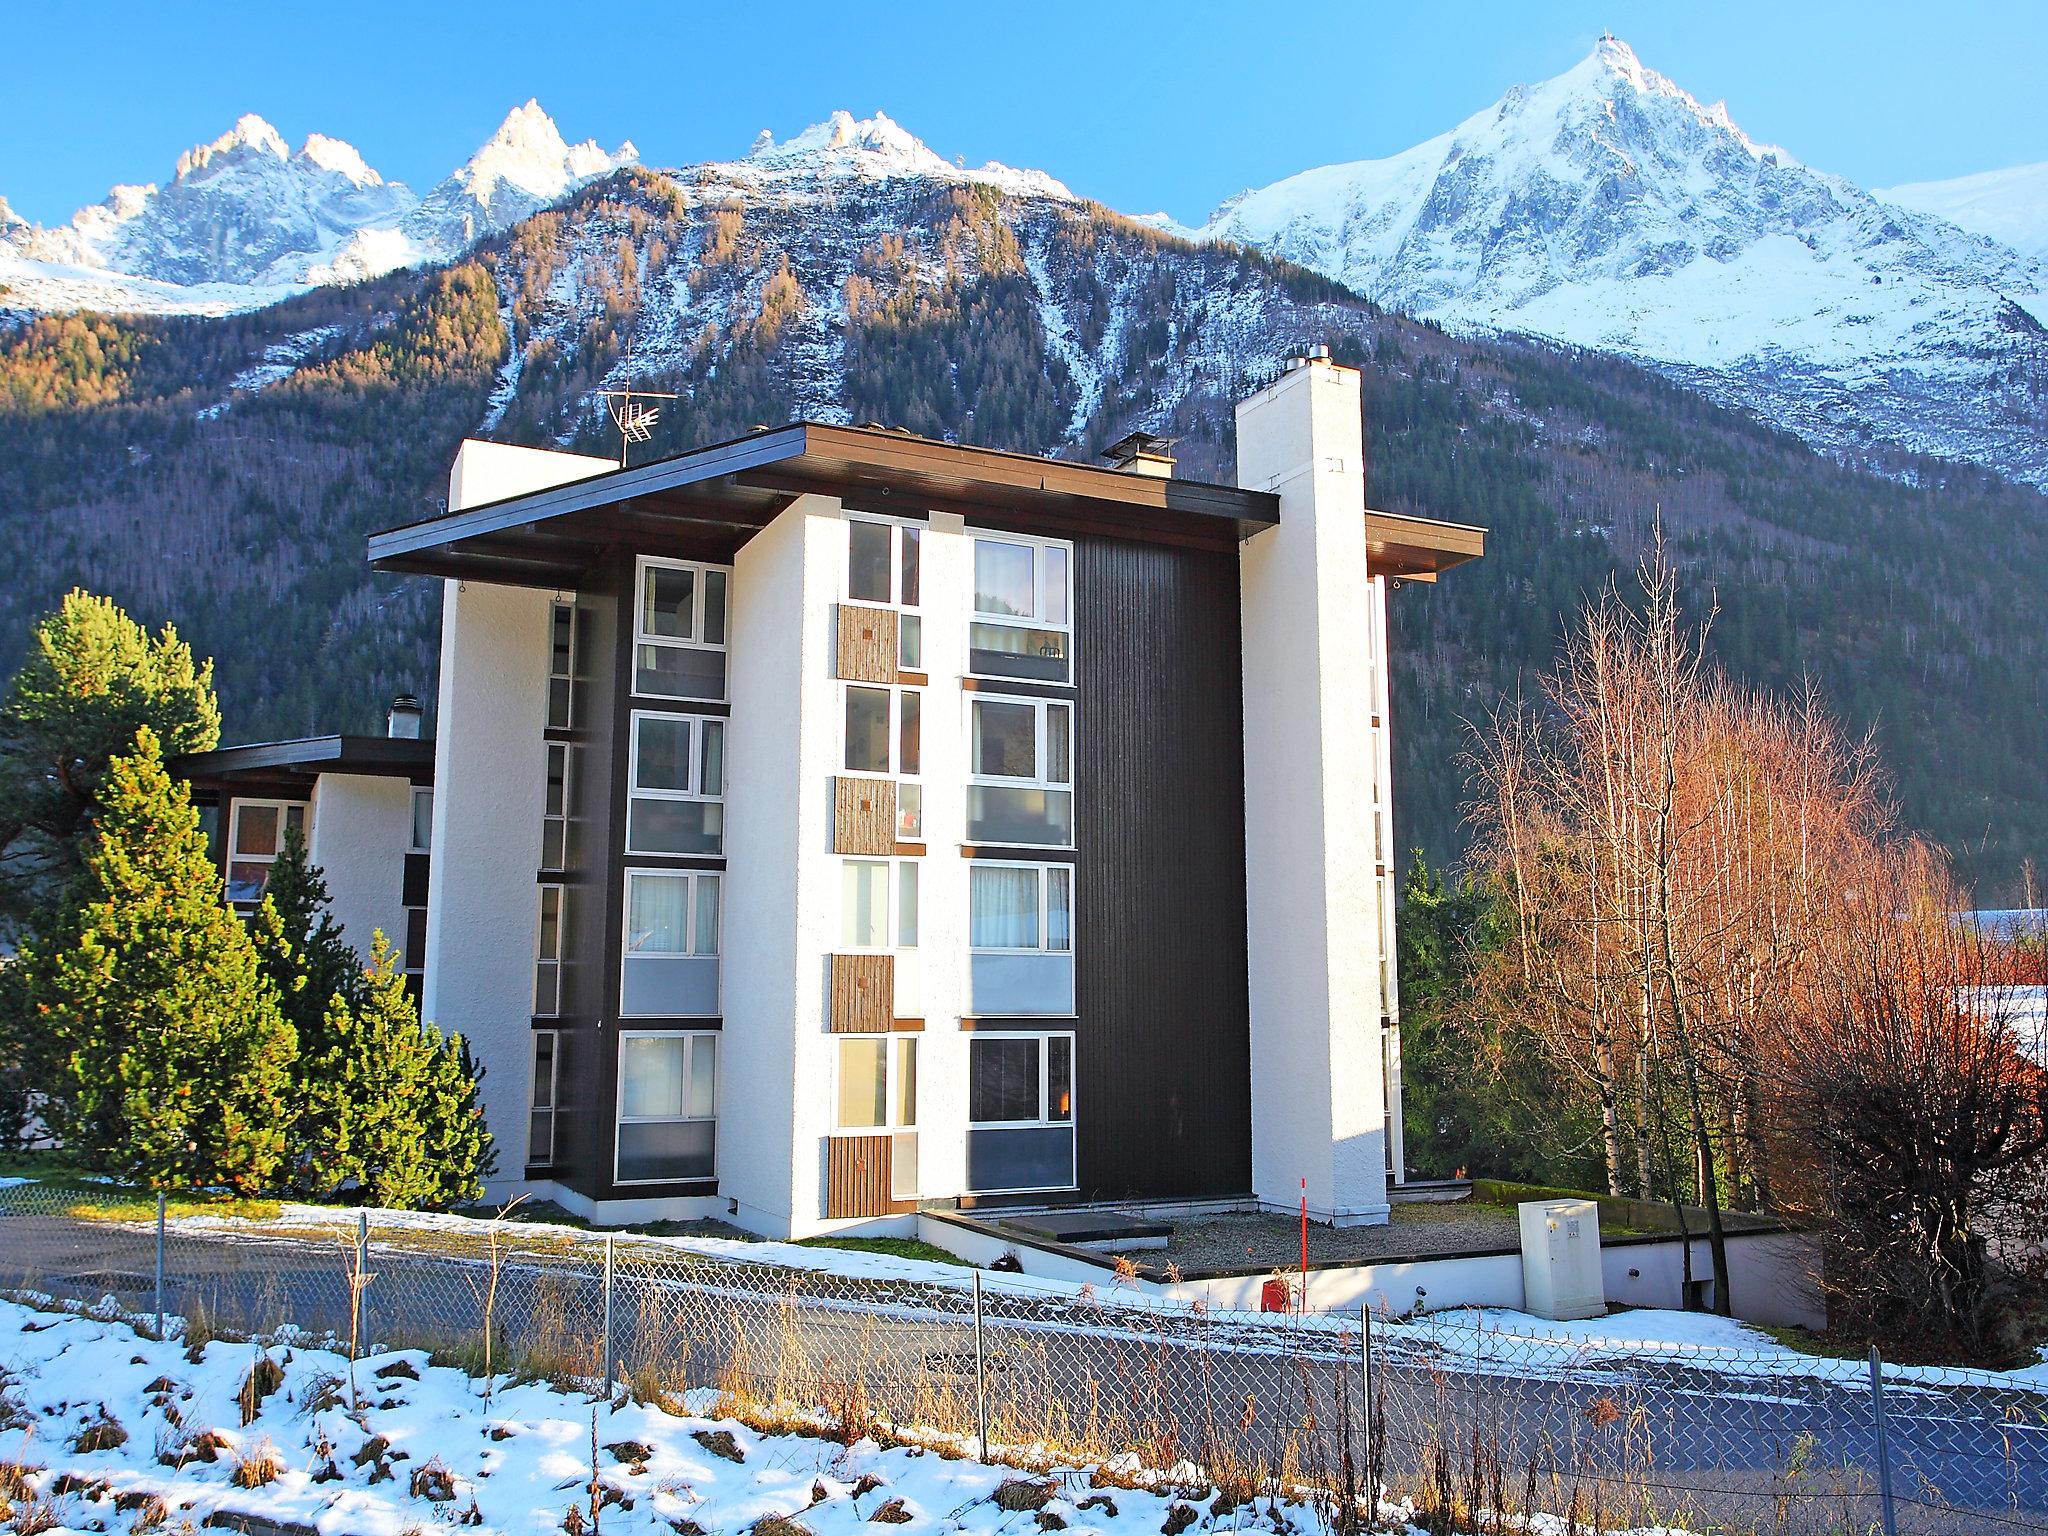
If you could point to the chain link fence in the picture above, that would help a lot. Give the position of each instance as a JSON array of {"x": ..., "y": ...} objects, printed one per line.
[{"x": 1477, "y": 1429}]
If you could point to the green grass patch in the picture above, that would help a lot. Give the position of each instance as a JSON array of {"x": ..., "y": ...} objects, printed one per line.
[
  {"x": 1807, "y": 1342},
  {"x": 896, "y": 1247},
  {"x": 105, "y": 1202}
]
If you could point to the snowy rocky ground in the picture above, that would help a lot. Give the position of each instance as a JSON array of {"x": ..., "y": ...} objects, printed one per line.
[{"x": 106, "y": 1430}]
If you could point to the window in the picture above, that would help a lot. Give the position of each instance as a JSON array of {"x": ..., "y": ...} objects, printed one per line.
[
  {"x": 1021, "y": 626},
  {"x": 883, "y": 568},
  {"x": 561, "y": 664},
  {"x": 540, "y": 1131},
  {"x": 1020, "y": 934},
  {"x": 1020, "y": 766},
  {"x": 885, "y": 735},
  {"x": 869, "y": 918},
  {"x": 671, "y": 960},
  {"x": 678, "y": 780},
  {"x": 877, "y": 1082},
  {"x": 422, "y": 821},
  {"x": 1020, "y": 1111},
  {"x": 668, "y": 1107},
  {"x": 260, "y": 826},
  {"x": 679, "y": 630},
  {"x": 547, "y": 951},
  {"x": 554, "y": 815}
]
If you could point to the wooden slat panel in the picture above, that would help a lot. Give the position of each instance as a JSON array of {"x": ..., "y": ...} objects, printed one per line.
[
  {"x": 863, "y": 994},
  {"x": 867, "y": 644},
  {"x": 857, "y": 1178},
  {"x": 864, "y": 816}
]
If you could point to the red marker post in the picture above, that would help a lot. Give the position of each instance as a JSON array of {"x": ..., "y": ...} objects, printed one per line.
[{"x": 1304, "y": 1247}]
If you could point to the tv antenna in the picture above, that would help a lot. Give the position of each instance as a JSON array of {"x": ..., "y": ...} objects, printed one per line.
[{"x": 634, "y": 419}]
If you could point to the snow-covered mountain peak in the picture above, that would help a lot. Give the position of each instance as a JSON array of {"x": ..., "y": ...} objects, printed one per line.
[
  {"x": 341, "y": 158},
  {"x": 250, "y": 133},
  {"x": 2009, "y": 206},
  {"x": 879, "y": 148},
  {"x": 528, "y": 152}
]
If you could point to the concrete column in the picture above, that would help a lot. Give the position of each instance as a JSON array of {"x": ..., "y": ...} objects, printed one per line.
[
  {"x": 362, "y": 830},
  {"x": 1311, "y": 890}
]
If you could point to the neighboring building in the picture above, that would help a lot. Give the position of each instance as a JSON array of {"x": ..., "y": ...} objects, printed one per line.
[
  {"x": 364, "y": 804},
  {"x": 834, "y": 821}
]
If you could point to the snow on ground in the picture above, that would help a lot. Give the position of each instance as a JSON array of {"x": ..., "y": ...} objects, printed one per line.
[{"x": 428, "y": 1449}]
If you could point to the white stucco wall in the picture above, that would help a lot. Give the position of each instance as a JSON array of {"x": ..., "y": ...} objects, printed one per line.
[
  {"x": 489, "y": 773},
  {"x": 362, "y": 830},
  {"x": 1312, "y": 900}
]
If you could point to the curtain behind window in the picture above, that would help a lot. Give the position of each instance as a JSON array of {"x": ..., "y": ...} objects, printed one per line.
[{"x": 1002, "y": 907}]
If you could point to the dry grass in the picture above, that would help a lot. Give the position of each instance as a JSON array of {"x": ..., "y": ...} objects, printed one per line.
[{"x": 256, "y": 1464}]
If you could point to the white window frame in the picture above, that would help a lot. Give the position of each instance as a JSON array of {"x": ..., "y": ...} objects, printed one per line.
[
  {"x": 976, "y": 615},
  {"x": 1070, "y": 1124},
  {"x": 556, "y": 818},
  {"x": 896, "y": 1044},
  {"x": 695, "y": 877},
  {"x": 911, "y": 611},
  {"x": 620, "y": 1117},
  {"x": 636, "y": 791},
  {"x": 562, "y": 611},
  {"x": 897, "y": 872},
  {"x": 692, "y": 642},
  {"x": 1044, "y": 946},
  {"x": 539, "y": 957},
  {"x": 1041, "y": 709},
  {"x": 418, "y": 792},
  {"x": 553, "y": 1108},
  {"x": 236, "y": 805},
  {"x": 896, "y": 693}
]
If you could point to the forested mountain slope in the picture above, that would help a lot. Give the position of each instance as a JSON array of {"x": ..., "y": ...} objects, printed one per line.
[{"x": 224, "y": 472}]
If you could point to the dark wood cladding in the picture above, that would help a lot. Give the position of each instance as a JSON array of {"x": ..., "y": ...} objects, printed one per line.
[
  {"x": 587, "y": 1069},
  {"x": 1162, "y": 1047},
  {"x": 857, "y": 1176}
]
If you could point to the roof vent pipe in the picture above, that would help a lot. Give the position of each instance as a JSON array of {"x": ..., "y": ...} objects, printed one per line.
[
  {"x": 1314, "y": 354},
  {"x": 403, "y": 723}
]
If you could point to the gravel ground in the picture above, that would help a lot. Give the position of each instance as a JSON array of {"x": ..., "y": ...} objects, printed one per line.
[{"x": 1267, "y": 1242}]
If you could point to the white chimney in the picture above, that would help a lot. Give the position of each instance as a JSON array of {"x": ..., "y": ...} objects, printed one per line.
[
  {"x": 1313, "y": 922},
  {"x": 1142, "y": 453}
]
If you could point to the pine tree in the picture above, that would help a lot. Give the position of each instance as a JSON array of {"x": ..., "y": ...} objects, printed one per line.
[
  {"x": 93, "y": 677},
  {"x": 397, "y": 1101},
  {"x": 306, "y": 957},
  {"x": 168, "y": 1057}
]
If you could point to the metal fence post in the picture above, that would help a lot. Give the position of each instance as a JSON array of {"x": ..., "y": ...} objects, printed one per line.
[
  {"x": 608, "y": 1317},
  {"x": 1884, "y": 1453},
  {"x": 160, "y": 1264},
  {"x": 362, "y": 1286},
  {"x": 1372, "y": 1468},
  {"x": 980, "y": 1377}
]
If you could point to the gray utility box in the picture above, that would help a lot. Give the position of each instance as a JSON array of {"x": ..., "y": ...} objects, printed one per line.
[{"x": 1561, "y": 1259}]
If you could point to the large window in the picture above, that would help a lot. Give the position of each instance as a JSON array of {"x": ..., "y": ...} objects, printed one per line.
[
  {"x": 678, "y": 781},
  {"x": 878, "y": 1095},
  {"x": 668, "y": 1107},
  {"x": 878, "y": 904},
  {"x": 1020, "y": 765},
  {"x": 679, "y": 630},
  {"x": 671, "y": 962},
  {"x": 1020, "y": 1111},
  {"x": 885, "y": 735},
  {"x": 883, "y": 568},
  {"x": 1021, "y": 627},
  {"x": 1020, "y": 934},
  {"x": 540, "y": 1128},
  {"x": 260, "y": 826}
]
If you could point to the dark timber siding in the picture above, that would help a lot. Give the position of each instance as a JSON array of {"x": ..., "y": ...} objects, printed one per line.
[
  {"x": 587, "y": 1074},
  {"x": 1162, "y": 1052}
]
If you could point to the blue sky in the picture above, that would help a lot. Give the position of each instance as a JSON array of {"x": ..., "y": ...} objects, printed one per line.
[{"x": 1143, "y": 107}]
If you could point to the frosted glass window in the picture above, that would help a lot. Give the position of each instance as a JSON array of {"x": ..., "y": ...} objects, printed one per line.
[
  {"x": 1059, "y": 907},
  {"x": 863, "y": 1083},
  {"x": 707, "y": 915},
  {"x": 865, "y": 904}
]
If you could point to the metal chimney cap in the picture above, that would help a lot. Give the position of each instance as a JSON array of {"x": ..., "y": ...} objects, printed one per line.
[
  {"x": 403, "y": 723},
  {"x": 1313, "y": 353}
]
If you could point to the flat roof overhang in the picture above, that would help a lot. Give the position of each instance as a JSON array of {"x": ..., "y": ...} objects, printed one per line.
[
  {"x": 272, "y": 762},
  {"x": 707, "y": 503},
  {"x": 1418, "y": 548}
]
